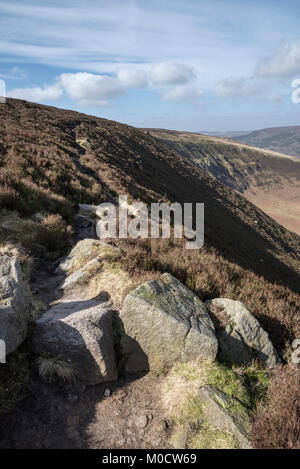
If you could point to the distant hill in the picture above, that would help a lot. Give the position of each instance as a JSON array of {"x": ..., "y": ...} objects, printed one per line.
[
  {"x": 282, "y": 139},
  {"x": 267, "y": 178},
  {"x": 227, "y": 134}
]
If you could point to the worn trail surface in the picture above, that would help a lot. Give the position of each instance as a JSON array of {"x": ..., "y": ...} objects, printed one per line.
[{"x": 75, "y": 416}]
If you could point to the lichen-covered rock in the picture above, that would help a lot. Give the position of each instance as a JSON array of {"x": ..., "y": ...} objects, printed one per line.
[
  {"x": 14, "y": 303},
  {"x": 241, "y": 337},
  {"x": 224, "y": 413},
  {"x": 81, "y": 333},
  {"x": 85, "y": 251},
  {"x": 81, "y": 276},
  {"x": 164, "y": 322},
  {"x": 94, "y": 268}
]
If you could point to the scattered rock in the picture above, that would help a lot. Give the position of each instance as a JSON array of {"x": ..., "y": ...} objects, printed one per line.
[
  {"x": 94, "y": 268},
  {"x": 85, "y": 251},
  {"x": 164, "y": 322},
  {"x": 14, "y": 303},
  {"x": 226, "y": 414},
  {"x": 241, "y": 337},
  {"x": 296, "y": 352},
  {"x": 107, "y": 393},
  {"x": 81, "y": 276},
  {"x": 80, "y": 333},
  {"x": 141, "y": 421},
  {"x": 295, "y": 343}
]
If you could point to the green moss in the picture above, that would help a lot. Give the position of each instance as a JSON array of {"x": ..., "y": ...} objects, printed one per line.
[
  {"x": 193, "y": 412},
  {"x": 258, "y": 381},
  {"x": 229, "y": 382},
  {"x": 208, "y": 437}
]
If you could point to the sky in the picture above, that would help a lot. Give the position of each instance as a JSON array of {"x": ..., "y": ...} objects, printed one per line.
[{"x": 195, "y": 65}]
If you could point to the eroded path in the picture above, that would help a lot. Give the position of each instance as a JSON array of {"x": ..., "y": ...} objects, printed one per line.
[{"x": 122, "y": 414}]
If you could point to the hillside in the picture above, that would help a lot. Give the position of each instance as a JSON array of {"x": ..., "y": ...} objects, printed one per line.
[
  {"x": 52, "y": 159},
  {"x": 268, "y": 179},
  {"x": 129, "y": 338},
  {"x": 282, "y": 139}
]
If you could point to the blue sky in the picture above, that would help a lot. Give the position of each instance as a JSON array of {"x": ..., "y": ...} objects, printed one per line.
[{"x": 190, "y": 65}]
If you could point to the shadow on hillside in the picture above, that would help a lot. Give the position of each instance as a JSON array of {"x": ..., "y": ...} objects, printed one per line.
[{"x": 240, "y": 231}]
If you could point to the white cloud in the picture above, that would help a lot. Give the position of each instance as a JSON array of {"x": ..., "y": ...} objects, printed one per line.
[
  {"x": 284, "y": 62},
  {"x": 249, "y": 87},
  {"x": 132, "y": 77},
  {"x": 171, "y": 73},
  {"x": 238, "y": 87},
  {"x": 84, "y": 86},
  {"x": 182, "y": 93},
  {"x": 47, "y": 93}
]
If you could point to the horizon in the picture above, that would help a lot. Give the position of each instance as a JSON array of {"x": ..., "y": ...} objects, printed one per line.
[{"x": 181, "y": 66}]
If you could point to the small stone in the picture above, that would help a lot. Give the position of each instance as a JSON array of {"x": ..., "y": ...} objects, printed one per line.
[
  {"x": 107, "y": 393},
  {"x": 150, "y": 417},
  {"x": 160, "y": 426},
  {"x": 142, "y": 421}
]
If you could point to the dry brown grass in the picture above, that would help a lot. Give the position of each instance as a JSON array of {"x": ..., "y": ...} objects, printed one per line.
[
  {"x": 210, "y": 276},
  {"x": 277, "y": 423}
]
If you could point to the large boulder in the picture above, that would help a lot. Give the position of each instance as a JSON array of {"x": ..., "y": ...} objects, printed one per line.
[
  {"x": 163, "y": 322},
  {"x": 14, "y": 303},
  {"x": 80, "y": 333},
  {"x": 241, "y": 337}
]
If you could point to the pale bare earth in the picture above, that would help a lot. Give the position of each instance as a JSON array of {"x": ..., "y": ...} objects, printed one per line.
[{"x": 282, "y": 205}]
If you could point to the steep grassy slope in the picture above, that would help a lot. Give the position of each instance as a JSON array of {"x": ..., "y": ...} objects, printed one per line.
[
  {"x": 266, "y": 178},
  {"x": 53, "y": 159},
  {"x": 282, "y": 139}
]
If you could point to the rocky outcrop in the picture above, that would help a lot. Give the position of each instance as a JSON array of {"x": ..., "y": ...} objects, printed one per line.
[
  {"x": 225, "y": 414},
  {"x": 93, "y": 268},
  {"x": 241, "y": 337},
  {"x": 162, "y": 322},
  {"x": 79, "y": 332},
  {"x": 81, "y": 276},
  {"x": 14, "y": 303},
  {"x": 86, "y": 250}
]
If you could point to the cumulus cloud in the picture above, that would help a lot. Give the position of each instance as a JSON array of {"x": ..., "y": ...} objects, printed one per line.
[
  {"x": 182, "y": 93},
  {"x": 258, "y": 89},
  {"x": 284, "y": 62},
  {"x": 132, "y": 77},
  {"x": 84, "y": 86},
  {"x": 171, "y": 73},
  {"x": 46, "y": 93},
  {"x": 89, "y": 89},
  {"x": 237, "y": 87}
]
